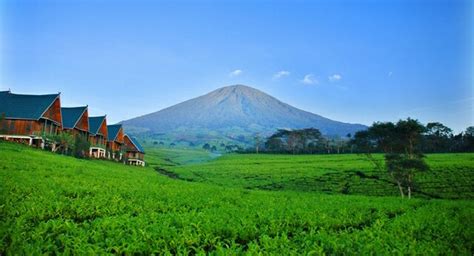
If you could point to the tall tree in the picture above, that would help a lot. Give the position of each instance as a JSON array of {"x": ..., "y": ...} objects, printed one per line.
[
  {"x": 257, "y": 142},
  {"x": 437, "y": 137},
  {"x": 401, "y": 144}
]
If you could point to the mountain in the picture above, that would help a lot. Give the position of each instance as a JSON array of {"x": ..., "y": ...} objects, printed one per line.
[{"x": 234, "y": 110}]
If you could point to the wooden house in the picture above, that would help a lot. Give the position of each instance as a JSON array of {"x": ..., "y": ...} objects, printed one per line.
[
  {"x": 98, "y": 136},
  {"x": 134, "y": 153},
  {"x": 29, "y": 118},
  {"x": 115, "y": 141},
  {"x": 76, "y": 121}
]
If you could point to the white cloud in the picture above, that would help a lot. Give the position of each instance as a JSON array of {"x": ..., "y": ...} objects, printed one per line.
[
  {"x": 236, "y": 72},
  {"x": 281, "y": 74},
  {"x": 390, "y": 74},
  {"x": 309, "y": 79},
  {"x": 335, "y": 78}
]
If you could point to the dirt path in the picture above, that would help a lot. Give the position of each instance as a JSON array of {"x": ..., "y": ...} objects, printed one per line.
[{"x": 170, "y": 174}]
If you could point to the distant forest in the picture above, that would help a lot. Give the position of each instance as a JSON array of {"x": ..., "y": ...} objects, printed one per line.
[{"x": 430, "y": 138}]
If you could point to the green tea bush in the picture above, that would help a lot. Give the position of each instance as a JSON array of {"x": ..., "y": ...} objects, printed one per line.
[{"x": 56, "y": 204}]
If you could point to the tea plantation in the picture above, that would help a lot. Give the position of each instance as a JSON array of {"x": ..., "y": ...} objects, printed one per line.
[
  {"x": 53, "y": 204},
  {"x": 451, "y": 176}
]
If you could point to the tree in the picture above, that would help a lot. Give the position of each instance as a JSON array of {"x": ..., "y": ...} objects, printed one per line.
[
  {"x": 439, "y": 130},
  {"x": 293, "y": 141},
  {"x": 257, "y": 142},
  {"x": 65, "y": 142},
  {"x": 308, "y": 140},
  {"x": 468, "y": 140},
  {"x": 403, "y": 169},
  {"x": 470, "y": 131},
  {"x": 401, "y": 144},
  {"x": 206, "y": 146},
  {"x": 81, "y": 146},
  {"x": 437, "y": 137},
  {"x": 351, "y": 147}
]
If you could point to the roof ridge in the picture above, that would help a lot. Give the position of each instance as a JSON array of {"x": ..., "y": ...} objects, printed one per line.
[
  {"x": 33, "y": 95},
  {"x": 77, "y": 107}
]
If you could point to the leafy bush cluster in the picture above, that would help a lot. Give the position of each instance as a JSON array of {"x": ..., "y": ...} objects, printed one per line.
[{"x": 67, "y": 144}]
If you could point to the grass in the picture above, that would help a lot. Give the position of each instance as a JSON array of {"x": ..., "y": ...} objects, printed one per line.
[{"x": 53, "y": 204}]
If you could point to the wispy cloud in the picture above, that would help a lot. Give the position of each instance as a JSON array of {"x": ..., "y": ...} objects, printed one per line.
[
  {"x": 236, "y": 72},
  {"x": 281, "y": 74},
  {"x": 309, "y": 79},
  {"x": 334, "y": 78},
  {"x": 390, "y": 74}
]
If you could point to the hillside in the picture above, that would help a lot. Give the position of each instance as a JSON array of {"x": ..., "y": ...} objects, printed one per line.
[
  {"x": 53, "y": 204},
  {"x": 232, "y": 111}
]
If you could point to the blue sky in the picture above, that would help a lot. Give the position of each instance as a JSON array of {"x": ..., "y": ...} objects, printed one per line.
[{"x": 353, "y": 61}]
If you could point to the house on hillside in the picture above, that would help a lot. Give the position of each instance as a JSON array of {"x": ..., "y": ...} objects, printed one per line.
[
  {"x": 134, "y": 153},
  {"x": 28, "y": 118},
  {"x": 98, "y": 136},
  {"x": 76, "y": 121},
  {"x": 115, "y": 141}
]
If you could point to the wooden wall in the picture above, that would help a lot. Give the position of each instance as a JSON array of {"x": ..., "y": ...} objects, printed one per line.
[
  {"x": 129, "y": 144},
  {"x": 83, "y": 123},
  {"x": 76, "y": 132},
  {"x": 135, "y": 155},
  {"x": 114, "y": 146},
  {"x": 20, "y": 127},
  {"x": 103, "y": 128},
  {"x": 120, "y": 136},
  {"x": 97, "y": 140},
  {"x": 27, "y": 127},
  {"x": 54, "y": 112}
]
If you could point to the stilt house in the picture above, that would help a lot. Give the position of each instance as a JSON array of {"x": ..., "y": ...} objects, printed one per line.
[
  {"x": 29, "y": 118},
  {"x": 98, "y": 136},
  {"x": 115, "y": 141},
  {"x": 134, "y": 153}
]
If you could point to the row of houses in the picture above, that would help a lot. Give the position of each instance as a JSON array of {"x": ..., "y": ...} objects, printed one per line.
[{"x": 28, "y": 118}]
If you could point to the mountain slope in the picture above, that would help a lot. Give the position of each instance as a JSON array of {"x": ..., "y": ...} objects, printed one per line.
[{"x": 236, "y": 107}]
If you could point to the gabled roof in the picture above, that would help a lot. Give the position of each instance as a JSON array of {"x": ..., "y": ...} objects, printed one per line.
[
  {"x": 72, "y": 115},
  {"x": 136, "y": 144},
  {"x": 113, "y": 131},
  {"x": 25, "y": 106},
  {"x": 94, "y": 124}
]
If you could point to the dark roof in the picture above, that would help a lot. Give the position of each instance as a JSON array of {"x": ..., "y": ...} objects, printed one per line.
[
  {"x": 112, "y": 131},
  {"x": 71, "y": 116},
  {"x": 136, "y": 144},
  {"x": 24, "y": 106},
  {"x": 94, "y": 124}
]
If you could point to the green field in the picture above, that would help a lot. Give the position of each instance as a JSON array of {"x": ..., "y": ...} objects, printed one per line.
[
  {"x": 451, "y": 176},
  {"x": 235, "y": 204}
]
